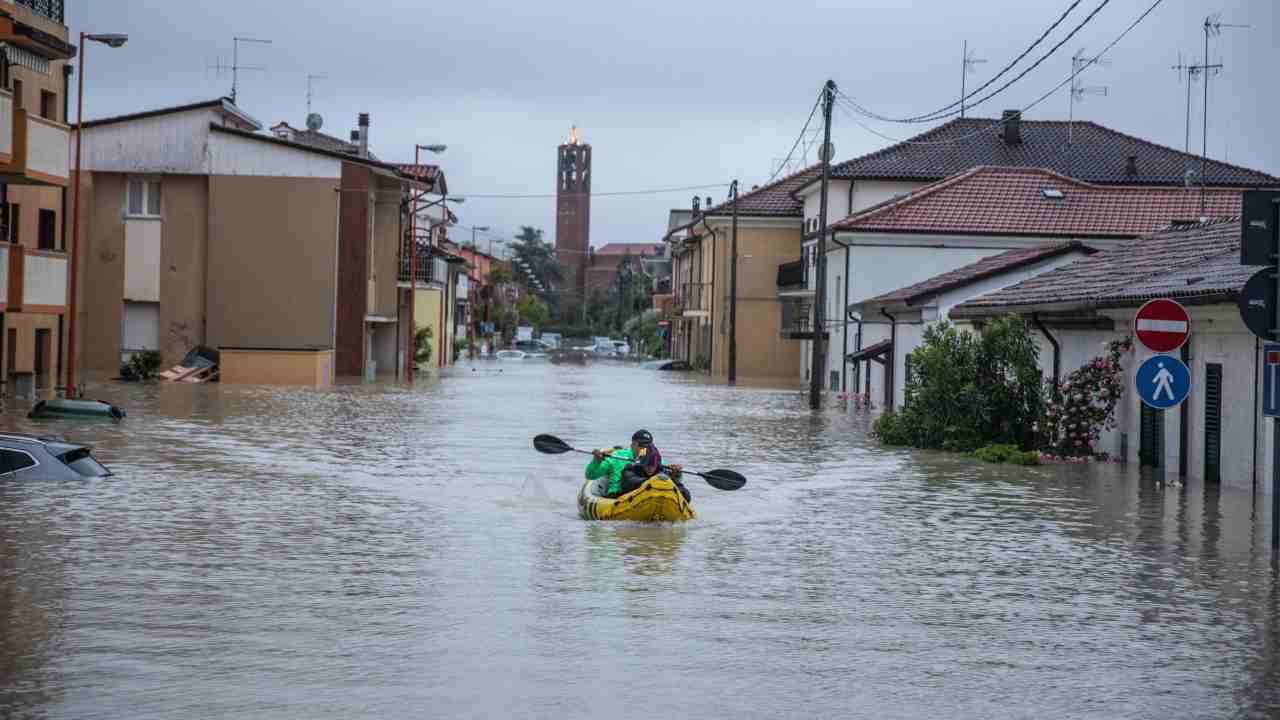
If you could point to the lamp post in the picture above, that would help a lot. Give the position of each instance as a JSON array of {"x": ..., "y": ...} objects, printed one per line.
[
  {"x": 113, "y": 41},
  {"x": 411, "y": 346}
]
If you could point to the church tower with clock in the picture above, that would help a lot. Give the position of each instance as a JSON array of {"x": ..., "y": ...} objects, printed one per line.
[{"x": 573, "y": 219}]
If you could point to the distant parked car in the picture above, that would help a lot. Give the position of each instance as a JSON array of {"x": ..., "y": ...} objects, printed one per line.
[
  {"x": 668, "y": 364},
  {"x": 532, "y": 348},
  {"x": 30, "y": 457},
  {"x": 621, "y": 347},
  {"x": 509, "y": 355}
]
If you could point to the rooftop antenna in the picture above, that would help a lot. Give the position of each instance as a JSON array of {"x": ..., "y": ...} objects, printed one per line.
[
  {"x": 236, "y": 67},
  {"x": 1193, "y": 72},
  {"x": 1212, "y": 26},
  {"x": 1079, "y": 62},
  {"x": 966, "y": 67},
  {"x": 309, "y": 93}
]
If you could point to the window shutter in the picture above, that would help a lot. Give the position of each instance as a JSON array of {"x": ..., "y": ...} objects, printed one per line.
[{"x": 1213, "y": 423}]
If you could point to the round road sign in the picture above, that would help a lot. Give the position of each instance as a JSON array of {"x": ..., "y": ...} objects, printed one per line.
[
  {"x": 1162, "y": 325},
  {"x": 1257, "y": 303}
]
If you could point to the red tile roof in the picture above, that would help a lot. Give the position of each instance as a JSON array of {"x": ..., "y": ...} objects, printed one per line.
[
  {"x": 426, "y": 173},
  {"x": 1012, "y": 201},
  {"x": 985, "y": 268},
  {"x": 1199, "y": 261},
  {"x": 774, "y": 199},
  {"x": 632, "y": 248},
  {"x": 1095, "y": 154}
]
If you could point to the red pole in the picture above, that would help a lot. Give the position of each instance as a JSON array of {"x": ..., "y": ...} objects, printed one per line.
[
  {"x": 413, "y": 278},
  {"x": 74, "y": 258},
  {"x": 444, "y": 295}
]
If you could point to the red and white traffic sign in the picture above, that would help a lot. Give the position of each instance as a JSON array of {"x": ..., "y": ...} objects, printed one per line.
[{"x": 1162, "y": 325}]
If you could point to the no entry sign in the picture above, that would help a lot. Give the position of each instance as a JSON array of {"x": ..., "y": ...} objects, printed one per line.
[{"x": 1162, "y": 325}]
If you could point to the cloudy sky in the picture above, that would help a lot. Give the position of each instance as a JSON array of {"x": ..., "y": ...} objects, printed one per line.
[{"x": 669, "y": 93}]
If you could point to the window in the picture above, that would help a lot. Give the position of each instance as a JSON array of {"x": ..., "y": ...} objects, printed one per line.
[
  {"x": 14, "y": 460},
  {"x": 15, "y": 221},
  {"x": 82, "y": 462},
  {"x": 48, "y": 229},
  {"x": 1213, "y": 423},
  {"x": 17, "y": 95},
  {"x": 48, "y": 105},
  {"x": 144, "y": 198}
]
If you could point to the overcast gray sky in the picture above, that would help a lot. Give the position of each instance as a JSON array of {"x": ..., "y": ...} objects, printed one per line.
[{"x": 668, "y": 92}]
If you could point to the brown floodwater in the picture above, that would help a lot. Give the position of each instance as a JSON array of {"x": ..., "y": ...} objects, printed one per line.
[{"x": 380, "y": 551}]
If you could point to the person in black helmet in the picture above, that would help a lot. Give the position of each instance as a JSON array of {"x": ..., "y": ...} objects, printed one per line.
[{"x": 646, "y": 461}]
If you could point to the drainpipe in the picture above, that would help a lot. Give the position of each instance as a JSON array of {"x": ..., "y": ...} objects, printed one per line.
[
  {"x": 1035, "y": 318},
  {"x": 890, "y": 368},
  {"x": 844, "y": 333},
  {"x": 1257, "y": 384}
]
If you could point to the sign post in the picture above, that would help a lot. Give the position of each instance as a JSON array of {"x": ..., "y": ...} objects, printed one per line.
[{"x": 1260, "y": 245}]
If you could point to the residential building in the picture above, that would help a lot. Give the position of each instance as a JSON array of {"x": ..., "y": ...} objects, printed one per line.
[
  {"x": 1218, "y": 435},
  {"x": 981, "y": 213},
  {"x": 1084, "y": 151},
  {"x": 35, "y": 71},
  {"x": 435, "y": 291},
  {"x": 891, "y": 325},
  {"x": 603, "y": 263},
  {"x": 199, "y": 230},
  {"x": 769, "y": 225}
]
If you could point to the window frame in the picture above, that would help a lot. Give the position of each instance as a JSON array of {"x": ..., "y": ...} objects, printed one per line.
[
  {"x": 48, "y": 105},
  {"x": 5, "y": 470},
  {"x": 151, "y": 193},
  {"x": 53, "y": 229}
]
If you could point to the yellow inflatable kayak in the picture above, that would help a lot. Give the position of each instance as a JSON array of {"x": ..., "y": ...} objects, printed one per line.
[{"x": 657, "y": 500}]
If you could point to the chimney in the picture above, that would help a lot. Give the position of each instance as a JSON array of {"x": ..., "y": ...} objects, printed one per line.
[
  {"x": 1131, "y": 166},
  {"x": 364, "y": 135},
  {"x": 1012, "y": 127}
]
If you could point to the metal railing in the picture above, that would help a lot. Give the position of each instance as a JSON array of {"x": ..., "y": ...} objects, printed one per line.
[
  {"x": 793, "y": 275},
  {"x": 52, "y": 9},
  {"x": 797, "y": 321},
  {"x": 425, "y": 266},
  {"x": 694, "y": 297}
]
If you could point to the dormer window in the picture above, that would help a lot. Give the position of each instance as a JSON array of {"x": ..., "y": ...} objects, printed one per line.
[{"x": 1053, "y": 194}]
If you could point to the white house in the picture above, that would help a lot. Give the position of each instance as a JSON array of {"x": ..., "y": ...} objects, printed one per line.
[{"x": 1218, "y": 435}]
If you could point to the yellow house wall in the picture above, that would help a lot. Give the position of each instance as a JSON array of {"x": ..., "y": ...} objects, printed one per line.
[
  {"x": 426, "y": 313},
  {"x": 762, "y": 352},
  {"x": 276, "y": 367}
]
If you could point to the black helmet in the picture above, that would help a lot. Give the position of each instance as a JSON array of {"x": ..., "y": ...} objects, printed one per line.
[{"x": 642, "y": 438}]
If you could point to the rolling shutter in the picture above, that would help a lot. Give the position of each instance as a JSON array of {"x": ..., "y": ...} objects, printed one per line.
[{"x": 1213, "y": 423}]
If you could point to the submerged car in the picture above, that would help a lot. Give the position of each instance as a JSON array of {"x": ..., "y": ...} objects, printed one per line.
[{"x": 31, "y": 457}]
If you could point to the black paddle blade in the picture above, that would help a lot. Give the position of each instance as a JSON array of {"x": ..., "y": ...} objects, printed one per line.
[
  {"x": 724, "y": 479},
  {"x": 550, "y": 444}
]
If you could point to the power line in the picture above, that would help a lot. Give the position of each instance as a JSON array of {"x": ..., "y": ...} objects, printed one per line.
[
  {"x": 803, "y": 131},
  {"x": 945, "y": 113},
  {"x": 997, "y": 123}
]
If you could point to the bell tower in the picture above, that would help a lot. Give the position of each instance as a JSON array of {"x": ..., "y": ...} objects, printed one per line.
[{"x": 573, "y": 218}]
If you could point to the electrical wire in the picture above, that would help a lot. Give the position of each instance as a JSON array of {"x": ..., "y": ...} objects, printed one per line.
[
  {"x": 941, "y": 115},
  {"x": 997, "y": 123},
  {"x": 787, "y": 160},
  {"x": 927, "y": 116},
  {"x": 654, "y": 191}
]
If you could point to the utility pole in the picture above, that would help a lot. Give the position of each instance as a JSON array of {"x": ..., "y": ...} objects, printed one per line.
[
  {"x": 733, "y": 287},
  {"x": 1212, "y": 26},
  {"x": 819, "y": 358},
  {"x": 966, "y": 67}
]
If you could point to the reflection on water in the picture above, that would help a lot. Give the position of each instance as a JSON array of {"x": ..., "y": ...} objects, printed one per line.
[{"x": 374, "y": 550}]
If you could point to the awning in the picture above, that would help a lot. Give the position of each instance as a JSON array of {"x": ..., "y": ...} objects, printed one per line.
[
  {"x": 871, "y": 352},
  {"x": 25, "y": 58}
]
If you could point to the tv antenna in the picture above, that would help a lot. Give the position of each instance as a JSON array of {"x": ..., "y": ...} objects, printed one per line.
[
  {"x": 309, "y": 93},
  {"x": 236, "y": 67},
  {"x": 1079, "y": 62},
  {"x": 1212, "y": 27},
  {"x": 967, "y": 61}
]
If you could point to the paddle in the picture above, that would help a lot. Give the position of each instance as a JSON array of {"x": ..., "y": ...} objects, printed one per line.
[{"x": 718, "y": 479}]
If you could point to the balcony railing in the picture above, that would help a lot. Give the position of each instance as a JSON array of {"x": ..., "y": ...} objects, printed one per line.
[
  {"x": 793, "y": 276},
  {"x": 430, "y": 268},
  {"x": 41, "y": 152},
  {"x": 797, "y": 321},
  {"x": 36, "y": 280},
  {"x": 694, "y": 298},
  {"x": 52, "y": 9}
]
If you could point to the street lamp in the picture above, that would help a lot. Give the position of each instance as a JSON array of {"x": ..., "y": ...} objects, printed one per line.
[
  {"x": 412, "y": 344},
  {"x": 112, "y": 40},
  {"x": 480, "y": 228}
]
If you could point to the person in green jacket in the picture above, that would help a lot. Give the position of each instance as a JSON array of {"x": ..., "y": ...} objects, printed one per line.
[{"x": 628, "y": 468}]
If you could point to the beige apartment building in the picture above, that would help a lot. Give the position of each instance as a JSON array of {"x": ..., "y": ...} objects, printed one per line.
[
  {"x": 199, "y": 230},
  {"x": 34, "y": 76}
]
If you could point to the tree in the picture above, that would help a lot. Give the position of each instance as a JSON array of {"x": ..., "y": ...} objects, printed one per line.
[{"x": 532, "y": 310}]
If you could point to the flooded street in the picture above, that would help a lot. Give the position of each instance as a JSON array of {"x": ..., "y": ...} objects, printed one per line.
[{"x": 375, "y": 551}]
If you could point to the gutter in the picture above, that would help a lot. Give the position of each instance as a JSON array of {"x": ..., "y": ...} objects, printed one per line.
[
  {"x": 891, "y": 366},
  {"x": 1057, "y": 354}
]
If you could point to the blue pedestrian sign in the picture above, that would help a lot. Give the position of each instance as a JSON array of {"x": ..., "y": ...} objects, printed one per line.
[
  {"x": 1163, "y": 381},
  {"x": 1271, "y": 380}
]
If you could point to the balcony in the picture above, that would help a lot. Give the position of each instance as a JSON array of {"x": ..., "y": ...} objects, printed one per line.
[
  {"x": 49, "y": 9},
  {"x": 40, "y": 154},
  {"x": 431, "y": 269},
  {"x": 793, "y": 278},
  {"x": 797, "y": 321},
  {"x": 694, "y": 300},
  {"x": 35, "y": 280}
]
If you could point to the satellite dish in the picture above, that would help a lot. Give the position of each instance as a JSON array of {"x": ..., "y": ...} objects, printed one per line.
[
  {"x": 314, "y": 122},
  {"x": 826, "y": 152}
]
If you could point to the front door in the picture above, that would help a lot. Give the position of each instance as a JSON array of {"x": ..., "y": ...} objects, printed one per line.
[{"x": 42, "y": 358}]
